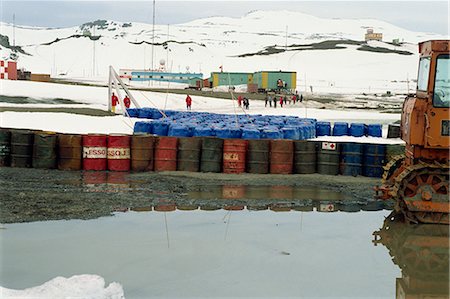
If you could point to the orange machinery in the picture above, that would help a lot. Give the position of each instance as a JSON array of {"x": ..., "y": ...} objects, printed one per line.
[{"x": 418, "y": 180}]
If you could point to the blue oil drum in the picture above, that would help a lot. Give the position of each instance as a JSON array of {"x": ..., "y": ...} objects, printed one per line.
[
  {"x": 145, "y": 113},
  {"x": 351, "y": 159},
  {"x": 228, "y": 133},
  {"x": 323, "y": 128},
  {"x": 160, "y": 128},
  {"x": 340, "y": 129},
  {"x": 143, "y": 127},
  {"x": 251, "y": 134},
  {"x": 290, "y": 133},
  {"x": 373, "y": 160},
  {"x": 374, "y": 130},
  {"x": 178, "y": 130},
  {"x": 271, "y": 134},
  {"x": 357, "y": 130},
  {"x": 303, "y": 132},
  {"x": 133, "y": 112},
  {"x": 203, "y": 132}
]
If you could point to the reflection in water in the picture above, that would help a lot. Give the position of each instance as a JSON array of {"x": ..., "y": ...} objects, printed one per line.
[{"x": 422, "y": 253}]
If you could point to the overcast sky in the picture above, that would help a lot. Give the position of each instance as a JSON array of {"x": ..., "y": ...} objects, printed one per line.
[{"x": 425, "y": 16}]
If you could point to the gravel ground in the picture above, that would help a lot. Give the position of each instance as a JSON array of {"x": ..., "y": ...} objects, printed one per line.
[{"x": 35, "y": 195}]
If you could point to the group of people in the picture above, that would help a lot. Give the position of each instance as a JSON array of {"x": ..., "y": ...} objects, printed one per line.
[
  {"x": 115, "y": 102},
  {"x": 243, "y": 101},
  {"x": 282, "y": 99}
]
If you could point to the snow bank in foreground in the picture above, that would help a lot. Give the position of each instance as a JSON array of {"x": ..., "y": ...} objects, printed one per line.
[{"x": 77, "y": 286}]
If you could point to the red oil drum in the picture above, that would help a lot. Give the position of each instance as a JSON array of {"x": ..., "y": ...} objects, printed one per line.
[
  {"x": 94, "y": 152},
  {"x": 281, "y": 156},
  {"x": 166, "y": 153},
  {"x": 234, "y": 153},
  {"x": 119, "y": 152}
]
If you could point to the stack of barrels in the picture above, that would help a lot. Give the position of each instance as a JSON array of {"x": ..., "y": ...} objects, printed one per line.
[{"x": 145, "y": 152}]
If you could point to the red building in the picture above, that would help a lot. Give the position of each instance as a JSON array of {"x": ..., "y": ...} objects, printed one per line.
[{"x": 8, "y": 70}]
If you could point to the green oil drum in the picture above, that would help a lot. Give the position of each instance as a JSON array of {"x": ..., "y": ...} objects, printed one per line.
[
  {"x": 258, "y": 156},
  {"x": 328, "y": 158},
  {"x": 44, "y": 150},
  {"x": 211, "y": 154},
  {"x": 305, "y": 156},
  {"x": 5, "y": 147},
  {"x": 189, "y": 150},
  {"x": 21, "y": 148}
]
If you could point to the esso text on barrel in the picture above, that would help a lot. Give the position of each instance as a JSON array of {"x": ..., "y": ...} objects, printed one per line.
[
  {"x": 118, "y": 153},
  {"x": 94, "y": 152}
]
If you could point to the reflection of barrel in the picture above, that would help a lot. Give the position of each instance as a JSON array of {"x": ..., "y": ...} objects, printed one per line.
[
  {"x": 281, "y": 156},
  {"x": 373, "y": 160},
  {"x": 21, "y": 148},
  {"x": 281, "y": 192},
  {"x": 258, "y": 156},
  {"x": 234, "y": 155},
  {"x": 189, "y": 150},
  {"x": 119, "y": 152},
  {"x": 328, "y": 158},
  {"x": 5, "y": 147},
  {"x": 70, "y": 152},
  {"x": 211, "y": 157},
  {"x": 165, "y": 207},
  {"x": 94, "y": 152},
  {"x": 233, "y": 192},
  {"x": 44, "y": 150},
  {"x": 351, "y": 163},
  {"x": 305, "y": 157},
  {"x": 94, "y": 181},
  {"x": 166, "y": 153},
  {"x": 117, "y": 182},
  {"x": 142, "y": 148}
]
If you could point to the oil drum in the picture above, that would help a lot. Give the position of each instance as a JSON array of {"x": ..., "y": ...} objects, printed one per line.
[
  {"x": 281, "y": 156},
  {"x": 328, "y": 154},
  {"x": 351, "y": 161},
  {"x": 166, "y": 153},
  {"x": 189, "y": 150},
  {"x": 142, "y": 149},
  {"x": 258, "y": 156},
  {"x": 21, "y": 148},
  {"x": 44, "y": 150},
  {"x": 234, "y": 154},
  {"x": 69, "y": 152},
  {"x": 94, "y": 152},
  {"x": 305, "y": 156},
  {"x": 212, "y": 154},
  {"x": 5, "y": 147},
  {"x": 373, "y": 160},
  {"x": 118, "y": 152}
]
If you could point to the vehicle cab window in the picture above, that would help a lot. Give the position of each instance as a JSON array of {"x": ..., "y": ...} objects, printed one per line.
[
  {"x": 441, "y": 95},
  {"x": 424, "y": 74}
]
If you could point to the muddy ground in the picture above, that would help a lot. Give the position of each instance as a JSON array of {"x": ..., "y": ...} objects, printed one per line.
[{"x": 34, "y": 194}]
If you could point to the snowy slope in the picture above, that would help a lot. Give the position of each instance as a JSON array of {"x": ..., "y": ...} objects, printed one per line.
[{"x": 205, "y": 44}]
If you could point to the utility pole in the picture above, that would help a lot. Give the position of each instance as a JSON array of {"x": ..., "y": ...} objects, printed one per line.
[
  {"x": 14, "y": 30},
  {"x": 93, "y": 54},
  {"x": 153, "y": 35}
]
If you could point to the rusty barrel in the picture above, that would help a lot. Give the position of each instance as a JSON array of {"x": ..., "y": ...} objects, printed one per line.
[
  {"x": 44, "y": 150},
  {"x": 142, "y": 149},
  {"x": 234, "y": 155},
  {"x": 258, "y": 156},
  {"x": 212, "y": 154},
  {"x": 5, "y": 147},
  {"x": 189, "y": 150},
  {"x": 281, "y": 156},
  {"x": 118, "y": 152},
  {"x": 305, "y": 156},
  {"x": 69, "y": 151},
  {"x": 21, "y": 148},
  {"x": 94, "y": 152},
  {"x": 166, "y": 153}
]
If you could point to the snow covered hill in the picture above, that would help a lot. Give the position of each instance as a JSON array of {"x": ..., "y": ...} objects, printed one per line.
[{"x": 328, "y": 54}]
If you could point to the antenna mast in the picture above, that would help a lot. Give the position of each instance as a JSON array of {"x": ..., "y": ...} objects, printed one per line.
[
  {"x": 14, "y": 30},
  {"x": 153, "y": 34}
]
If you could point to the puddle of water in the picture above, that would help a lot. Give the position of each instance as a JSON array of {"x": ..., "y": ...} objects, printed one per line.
[{"x": 228, "y": 254}]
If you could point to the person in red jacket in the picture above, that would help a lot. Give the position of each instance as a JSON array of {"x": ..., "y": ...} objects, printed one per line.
[
  {"x": 188, "y": 102},
  {"x": 127, "y": 102},
  {"x": 281, "y": 101},
  {"x": 114, "y": 102},
  {"x": 239, "y": 101}
]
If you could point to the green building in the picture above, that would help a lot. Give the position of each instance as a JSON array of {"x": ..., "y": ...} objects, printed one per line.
[
  {"x": 268, "y": 80},
  {"x": 230, "y": 79}
]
